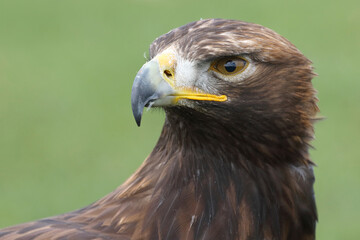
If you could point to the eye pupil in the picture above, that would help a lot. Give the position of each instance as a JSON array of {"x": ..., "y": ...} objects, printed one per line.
[{"x": 230, "y": 66}]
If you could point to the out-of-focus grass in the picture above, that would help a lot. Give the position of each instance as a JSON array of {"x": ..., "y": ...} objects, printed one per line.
[{"x": 67, "y": 136}]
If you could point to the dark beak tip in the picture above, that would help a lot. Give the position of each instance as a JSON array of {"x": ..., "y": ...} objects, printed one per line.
[
  {"x": 138, "y": 120},
  {"x": 137, "y": 108},
  {"x": 137, "y": 104}
]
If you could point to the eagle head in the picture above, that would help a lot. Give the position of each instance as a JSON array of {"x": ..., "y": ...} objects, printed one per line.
[{"x": 227, "y": 69}]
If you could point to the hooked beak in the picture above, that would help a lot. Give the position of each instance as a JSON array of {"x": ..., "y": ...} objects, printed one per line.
[
  {"x": 149, "y": 88},
  {"x": 154, "y": 85}
]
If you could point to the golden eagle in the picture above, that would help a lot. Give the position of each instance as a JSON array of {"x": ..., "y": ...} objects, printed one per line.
[{"x": 232, "y": 161}]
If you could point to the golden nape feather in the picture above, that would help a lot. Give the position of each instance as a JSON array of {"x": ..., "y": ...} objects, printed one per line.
[{"x": 232, "y": 160}]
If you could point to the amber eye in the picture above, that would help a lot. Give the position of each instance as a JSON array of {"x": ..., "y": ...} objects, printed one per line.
[{"x": 229, "y": 66}]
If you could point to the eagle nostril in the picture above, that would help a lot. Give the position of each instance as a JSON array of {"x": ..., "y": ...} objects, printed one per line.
[{"x": 168, "y": 74}]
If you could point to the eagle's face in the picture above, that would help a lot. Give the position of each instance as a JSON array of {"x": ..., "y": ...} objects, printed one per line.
[{"x": 226, "y": 69}]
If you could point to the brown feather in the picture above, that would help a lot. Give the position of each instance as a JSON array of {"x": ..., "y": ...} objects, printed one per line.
[{"x": 240, "y": 171}]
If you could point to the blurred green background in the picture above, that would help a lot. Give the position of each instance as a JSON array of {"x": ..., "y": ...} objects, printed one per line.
[{"x": 67, "y": 136}]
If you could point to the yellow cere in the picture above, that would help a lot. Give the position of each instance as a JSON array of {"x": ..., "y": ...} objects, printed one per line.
[{"x": 167, "y": 64}]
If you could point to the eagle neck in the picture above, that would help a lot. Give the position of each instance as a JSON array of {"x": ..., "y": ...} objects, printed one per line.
[
  {"x": 203, "y": 172},
  {"x": 191, "y": 134}
]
